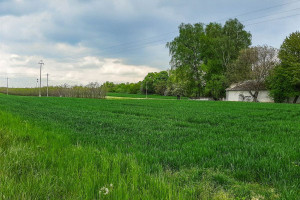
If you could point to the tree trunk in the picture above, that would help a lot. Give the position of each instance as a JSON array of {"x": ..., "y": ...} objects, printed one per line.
[
  {"x": 199, "y": 90},
  {"x": 296, "y": 99},
  {"x": 254, "y": 95}
]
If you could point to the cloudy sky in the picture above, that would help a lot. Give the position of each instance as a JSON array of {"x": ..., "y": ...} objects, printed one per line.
[{"x": 118, "y": 40}]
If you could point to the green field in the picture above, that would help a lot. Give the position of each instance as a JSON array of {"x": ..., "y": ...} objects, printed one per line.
[
  {"x": 64, "y": 148},
  {"x": 150, "y": 96}
]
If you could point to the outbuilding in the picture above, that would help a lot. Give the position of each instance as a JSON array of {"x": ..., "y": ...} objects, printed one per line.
[{"x": 240, "y": 92}]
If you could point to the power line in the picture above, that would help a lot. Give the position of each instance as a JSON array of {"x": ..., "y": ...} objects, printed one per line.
[
  {"x": 273, "y": 19},
  {"x": 263, "y": 9},
  {"x": 154, "y": 43},
  {"x": 270, "y": 15},
  {"x": 125, "y": 43},
  {"x": 133, "y": 47},
  {"x": 138, "y": 46},
  {"x": 132, "y": 43}
]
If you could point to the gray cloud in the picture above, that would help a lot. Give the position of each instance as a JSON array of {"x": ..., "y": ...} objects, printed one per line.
[{"x": 129, "y": 32}]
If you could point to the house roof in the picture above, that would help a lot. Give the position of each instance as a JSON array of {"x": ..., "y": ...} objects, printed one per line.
[{"x": 245, "y": 86}]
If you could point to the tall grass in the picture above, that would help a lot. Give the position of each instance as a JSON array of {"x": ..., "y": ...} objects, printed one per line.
[
  {"x": 38, "y": 164},
  {"x": 44, "y": 165},
  {"x": 198, "y": 149}
]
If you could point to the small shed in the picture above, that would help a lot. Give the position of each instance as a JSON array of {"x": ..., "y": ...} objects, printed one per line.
[{"x": 240, "y": 92}]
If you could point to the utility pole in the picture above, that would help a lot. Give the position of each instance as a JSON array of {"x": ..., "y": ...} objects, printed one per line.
[
  {"x": 47, "y": 85},
  {"x": 7, "y": 86},
  {"x": 41, "y": 64}
]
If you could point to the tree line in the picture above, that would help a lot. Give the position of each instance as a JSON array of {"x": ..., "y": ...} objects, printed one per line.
[
  {"x": 91, "y": 90},
  {"x": 207, "y": 59}
]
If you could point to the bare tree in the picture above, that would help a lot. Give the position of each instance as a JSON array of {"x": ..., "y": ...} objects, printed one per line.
[{"x": 253, "y": 66}]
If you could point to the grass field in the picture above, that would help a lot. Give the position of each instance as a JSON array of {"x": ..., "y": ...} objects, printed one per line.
[
  {"x": 150, "y": 96},
  {"x": 63, "y": 148}
]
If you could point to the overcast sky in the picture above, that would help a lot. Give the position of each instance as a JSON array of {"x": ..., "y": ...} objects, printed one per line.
[{"x": 118, "y": 40}]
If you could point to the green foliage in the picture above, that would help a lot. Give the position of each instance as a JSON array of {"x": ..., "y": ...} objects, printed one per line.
[
  {"x": 280, "y": 85},
  {"x": 186, "y": 58},
  {"x": 156, "y": 83},
  {"x": 202, "y": 52},
  {"x": 160, "y": 83},
  {"x": 250, "y": 149},
  {"x": 129, "y": 88},
  {"x": 216, "y": 86},
  {"x": 290, "y": 49},
  {"x": 285, "y": 82},
  {"x": 149, "y": 83}
]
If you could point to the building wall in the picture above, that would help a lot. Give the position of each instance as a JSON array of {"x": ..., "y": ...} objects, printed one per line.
[
  {"x": 263, "y": 96},
  {"x": 291, "y": 100}
]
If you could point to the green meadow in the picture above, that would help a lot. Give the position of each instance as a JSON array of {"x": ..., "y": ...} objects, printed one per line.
[
  {"x": 71, "y": 148},
  {"x": 141, "y": 96}
]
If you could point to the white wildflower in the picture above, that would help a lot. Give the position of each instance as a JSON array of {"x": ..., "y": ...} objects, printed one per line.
[{"x": 104, "y": 190}]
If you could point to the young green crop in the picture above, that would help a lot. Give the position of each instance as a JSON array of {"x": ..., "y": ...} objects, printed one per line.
[
  {"x": 150, "y": 96},
  {"x": 254, "y": 146}
]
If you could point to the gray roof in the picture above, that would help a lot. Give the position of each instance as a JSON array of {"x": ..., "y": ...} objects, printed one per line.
[{"x": 246, "y": 86}]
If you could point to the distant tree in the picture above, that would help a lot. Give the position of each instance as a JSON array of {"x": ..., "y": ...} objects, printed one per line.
[
  {"x": 148, "y": 83},
  {"x": 110, "y": 86},
  {"x": 253, "y": 64},
  {"x": 134, "y": 88},
  {"x": 160, "y": 82},
  {"x": 156, "y": 82}
]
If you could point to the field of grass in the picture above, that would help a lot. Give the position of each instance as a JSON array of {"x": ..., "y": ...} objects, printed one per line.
[
  {"x": 64, "y": 148},
  {"x": 150, "y": 96}
]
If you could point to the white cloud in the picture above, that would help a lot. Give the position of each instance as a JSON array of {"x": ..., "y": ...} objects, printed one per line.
[{"x": 23, "y": 70}]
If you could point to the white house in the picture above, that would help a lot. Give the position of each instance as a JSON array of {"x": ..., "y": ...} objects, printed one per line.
[{"x": 240, "y": 92}]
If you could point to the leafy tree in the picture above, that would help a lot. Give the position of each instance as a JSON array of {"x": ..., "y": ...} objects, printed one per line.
[
  {"x": 253, "y": 64},
  {"x": 160, "y": 82},
  {"x": 134, "y": 88},
  {"x": 156, "y": 82},
  {"x": 223, "y": 44},
  {"x": 110, "y": 86},
  {"x": 200, "y": 52},
  {"x": 289, "y": 55},
  {"x": 186, "y": 58},
  {"x": 279, "y": 83},
  {"x": 148, "y": 83},
  {"x": 131, "y": 88}
]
